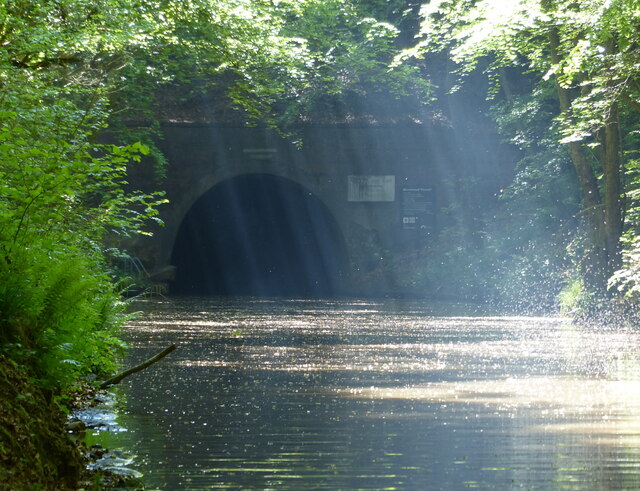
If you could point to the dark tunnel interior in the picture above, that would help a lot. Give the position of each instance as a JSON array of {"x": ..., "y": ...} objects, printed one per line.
[{"x": 259, "y": 235}]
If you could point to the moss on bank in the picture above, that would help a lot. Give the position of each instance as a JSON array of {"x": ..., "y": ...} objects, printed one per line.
[{"x": 35, "y": 451}]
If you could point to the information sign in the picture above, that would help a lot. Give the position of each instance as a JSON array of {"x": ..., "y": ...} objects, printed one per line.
[
  {"x": 418, "y": 206},
  {"x": 371, "y": 188}
]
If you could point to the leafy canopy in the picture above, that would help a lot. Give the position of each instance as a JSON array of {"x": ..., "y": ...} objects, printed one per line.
[{"x": 597, "y": 53}]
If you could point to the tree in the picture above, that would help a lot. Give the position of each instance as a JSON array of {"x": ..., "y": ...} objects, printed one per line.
[
  {"x": 276, "y": 63},
  {"x": 590, "y": 50},
  {"x": 71, "y": 70},
  {"x": 61, "y": 193}
]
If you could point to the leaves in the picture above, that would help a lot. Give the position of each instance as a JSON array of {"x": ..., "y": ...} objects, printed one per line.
[
  {"x": 61, "y": 193},
  {"x": 589, "y": 50},
  {"x": 71, "y": 69}
]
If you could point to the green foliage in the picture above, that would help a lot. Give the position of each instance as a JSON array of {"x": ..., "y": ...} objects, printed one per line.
[
  {"x": 460, "y": 272},
  {"x": 572, "y": 297},
  {"x": 61, "y": 193},
  {"x": 627, "y": 279},
  {"x": 589, "y": 50},
  {"x": 513, "y": 264},
  {"x": 352, "y": 52},
  {"x": 277, "y": 63},
  {"x": 71, "y": 69},
  {"x": 59, "y": 313}
]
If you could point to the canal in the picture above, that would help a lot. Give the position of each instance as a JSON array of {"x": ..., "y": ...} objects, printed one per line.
[{"x": 300, "y": 394}]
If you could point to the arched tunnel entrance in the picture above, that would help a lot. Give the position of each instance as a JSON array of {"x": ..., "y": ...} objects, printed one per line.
[{"x": 259, "y": 235}]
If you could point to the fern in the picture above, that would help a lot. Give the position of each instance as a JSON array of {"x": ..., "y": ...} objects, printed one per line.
[{"x": 59, "y": 310}]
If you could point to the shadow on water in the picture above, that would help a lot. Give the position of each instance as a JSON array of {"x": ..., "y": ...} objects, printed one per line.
[{"x": 259, "y": 235}]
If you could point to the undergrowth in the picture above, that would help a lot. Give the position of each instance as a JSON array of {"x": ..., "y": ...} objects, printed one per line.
[{"x": 60, "y": 313}]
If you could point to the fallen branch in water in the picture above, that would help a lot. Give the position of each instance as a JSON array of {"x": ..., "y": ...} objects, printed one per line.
[{"x": 137, "y": 368}]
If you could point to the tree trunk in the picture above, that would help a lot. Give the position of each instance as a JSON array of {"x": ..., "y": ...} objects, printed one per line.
[
  {"x": 613, "y": 221},
  {"x": 611, "y": 165},
  {"x": 595, "y": 265}
]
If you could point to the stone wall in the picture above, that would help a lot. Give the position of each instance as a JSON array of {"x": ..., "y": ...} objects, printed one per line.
[{"x": 385, "y": 186}]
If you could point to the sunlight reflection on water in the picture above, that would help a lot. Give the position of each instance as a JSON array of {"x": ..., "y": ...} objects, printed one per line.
[{"x": 370, "y": 395}]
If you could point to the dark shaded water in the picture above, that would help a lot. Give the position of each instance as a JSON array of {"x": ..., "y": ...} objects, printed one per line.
[{"x": 377, "y": 395}]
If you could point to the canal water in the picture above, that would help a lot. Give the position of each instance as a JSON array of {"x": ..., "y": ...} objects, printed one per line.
[{"x": 299, "y": 394}]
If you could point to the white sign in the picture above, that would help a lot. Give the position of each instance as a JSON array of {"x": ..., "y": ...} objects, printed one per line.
[{"x": 371, "y": 188}]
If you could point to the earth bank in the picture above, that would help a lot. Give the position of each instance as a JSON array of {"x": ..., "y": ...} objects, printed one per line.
[{"x": 35, "y": 451}]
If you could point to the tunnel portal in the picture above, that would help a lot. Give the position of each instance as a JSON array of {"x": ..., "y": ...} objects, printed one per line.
[{"x": 259, "y": 235}]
